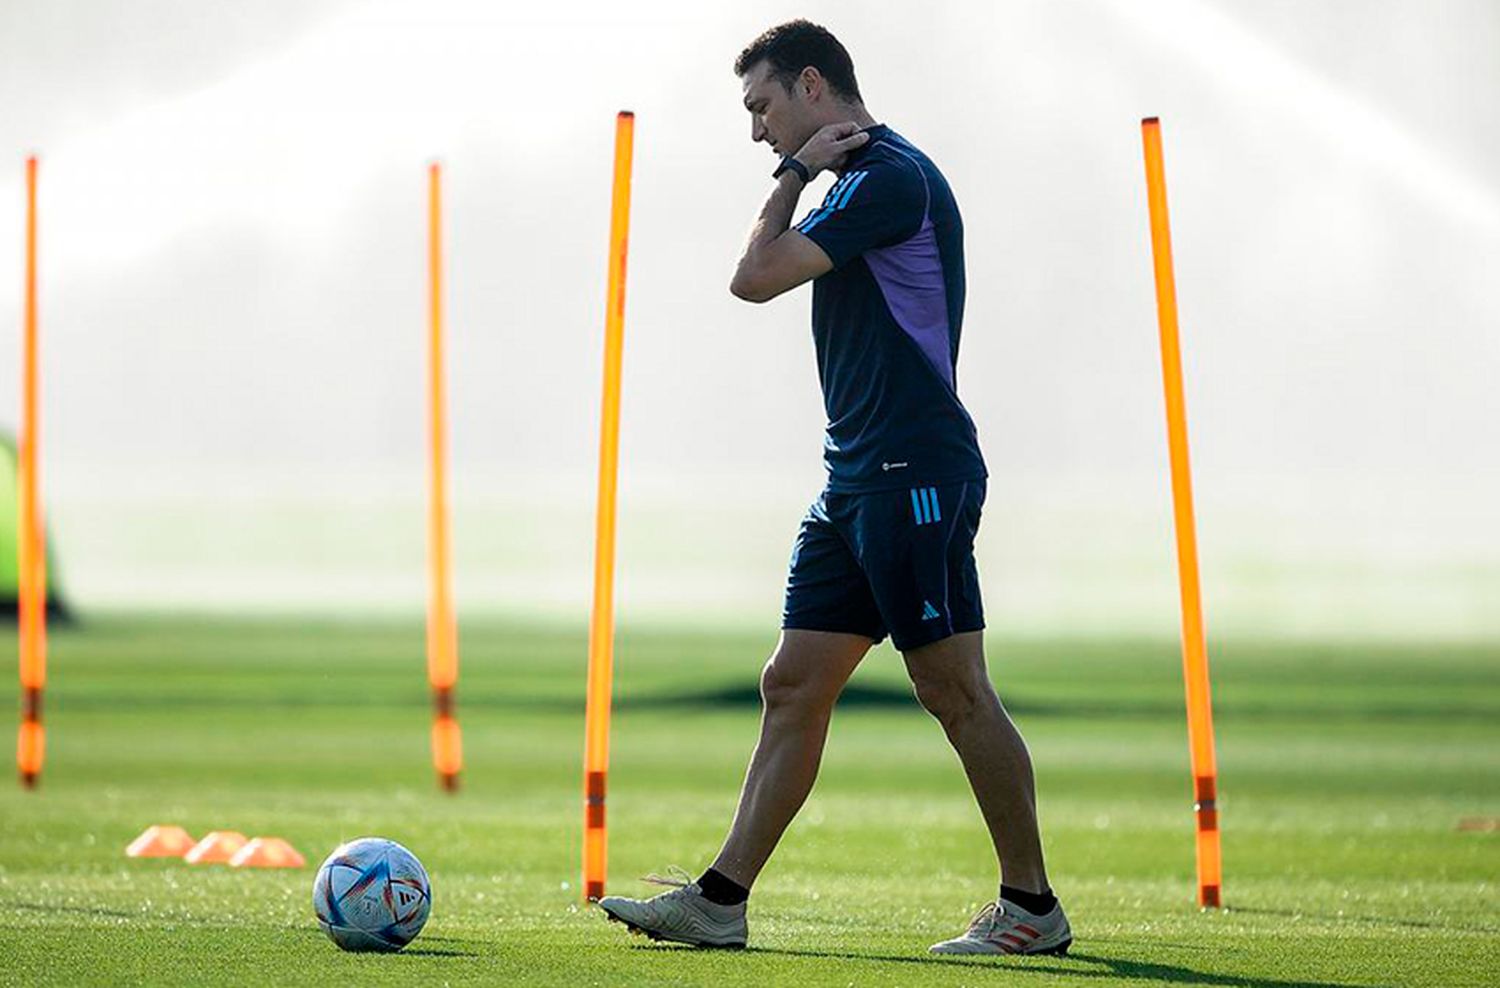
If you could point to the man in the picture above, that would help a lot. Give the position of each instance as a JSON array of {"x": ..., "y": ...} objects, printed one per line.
[{"x": 888, "y": 546}]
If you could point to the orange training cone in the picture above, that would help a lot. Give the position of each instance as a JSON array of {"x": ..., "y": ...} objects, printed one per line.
[
  {"x": 160, "y": 841},
  {"x": 216, "y": 847},
  {"x": 267, "y": 852}
]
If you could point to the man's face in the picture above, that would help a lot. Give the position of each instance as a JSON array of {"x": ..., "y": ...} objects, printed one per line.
[{"x": 783, "y": 120}]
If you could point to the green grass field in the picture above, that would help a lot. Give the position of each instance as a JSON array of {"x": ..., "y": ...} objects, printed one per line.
[{"x": 1345, "y": 772}]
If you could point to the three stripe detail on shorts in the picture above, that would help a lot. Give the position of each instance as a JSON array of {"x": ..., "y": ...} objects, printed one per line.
[{"x": 924, "y": 505}]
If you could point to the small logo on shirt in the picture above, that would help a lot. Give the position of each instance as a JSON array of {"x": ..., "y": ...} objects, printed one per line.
[
  {"x": 928, "y": 611},
  {"x": 894, "y": 466}
]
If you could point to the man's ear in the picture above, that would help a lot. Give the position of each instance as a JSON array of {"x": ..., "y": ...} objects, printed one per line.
[{"x": 810, "y": 81}]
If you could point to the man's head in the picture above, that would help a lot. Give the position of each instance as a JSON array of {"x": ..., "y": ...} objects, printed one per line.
[{"x": 796, "y": 78}]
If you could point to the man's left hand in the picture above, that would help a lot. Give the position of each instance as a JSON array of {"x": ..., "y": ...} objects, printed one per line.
[{"x": 830, "y": 145}]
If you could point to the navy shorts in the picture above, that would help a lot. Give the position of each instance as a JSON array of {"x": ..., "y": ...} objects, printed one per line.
[{"x": 894, "y": 562}]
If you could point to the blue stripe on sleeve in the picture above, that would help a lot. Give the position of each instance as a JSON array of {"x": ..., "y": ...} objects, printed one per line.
[
  {"x": 829, "y": 202},
  {"x": 834, "y": 202},
  {"x": 849, "y": 192},
  {"x": 916, "y": 508},
  {"x": 937, "y": 511}
]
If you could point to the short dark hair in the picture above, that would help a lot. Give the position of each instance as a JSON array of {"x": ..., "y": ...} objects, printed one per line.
[{"x": 792, "y": 47}]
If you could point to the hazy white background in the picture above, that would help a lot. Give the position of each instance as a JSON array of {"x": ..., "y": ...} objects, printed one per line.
[{"x": 233, "y": 301}]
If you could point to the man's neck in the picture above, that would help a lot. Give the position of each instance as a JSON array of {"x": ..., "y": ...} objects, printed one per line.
[{"x": 857, "y": 113}]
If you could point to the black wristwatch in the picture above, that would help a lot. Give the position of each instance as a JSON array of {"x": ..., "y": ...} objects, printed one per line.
[{"x": 791, "y": 164}]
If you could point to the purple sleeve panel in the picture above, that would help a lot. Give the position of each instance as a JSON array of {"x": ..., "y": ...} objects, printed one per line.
[{"x": 910, "y": 276}]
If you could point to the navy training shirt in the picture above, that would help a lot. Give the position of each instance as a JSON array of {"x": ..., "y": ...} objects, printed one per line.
[{"x": 886, "y": 322}]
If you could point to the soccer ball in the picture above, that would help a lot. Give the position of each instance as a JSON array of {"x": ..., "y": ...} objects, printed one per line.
[{"x": 372, "y": 894}]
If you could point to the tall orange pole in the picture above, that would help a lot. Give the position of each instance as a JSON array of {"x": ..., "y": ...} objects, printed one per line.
[
  {"x": 31, "y": 555},
  {"x": 602, "y": 623},
  {"x": 1194, "y": 647},
  {"x": 442, "y": 637}
]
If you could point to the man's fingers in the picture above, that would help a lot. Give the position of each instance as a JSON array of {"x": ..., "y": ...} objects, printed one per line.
[{"x": 831, "y": 143}]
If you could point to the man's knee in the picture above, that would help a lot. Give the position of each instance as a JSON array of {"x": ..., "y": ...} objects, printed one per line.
[
  {"x": 953, "y": 697},
  {"x": 784, "y": 690}
]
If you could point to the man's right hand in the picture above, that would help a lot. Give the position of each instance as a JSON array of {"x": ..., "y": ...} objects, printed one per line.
[{"x": 829, "y": 146}]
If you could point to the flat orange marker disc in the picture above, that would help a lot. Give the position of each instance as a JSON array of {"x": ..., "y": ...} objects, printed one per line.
[
  {"x": 267, "y": 852},
  {"x": 217, "y": 847},
  {"x": 160, "y": 841}
]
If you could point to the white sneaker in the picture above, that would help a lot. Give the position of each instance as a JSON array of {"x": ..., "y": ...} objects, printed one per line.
[
  {"x": 1005, "y": 928},
  {"x": 682, "y": 915}
]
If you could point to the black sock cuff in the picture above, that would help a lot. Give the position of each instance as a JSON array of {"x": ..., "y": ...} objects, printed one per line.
[
  {"x": 1036, "y": 903},
  {"x": 719, "y": 889}
]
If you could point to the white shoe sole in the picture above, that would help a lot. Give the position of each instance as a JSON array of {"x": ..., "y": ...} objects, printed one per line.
[
  {"x": 659, "y": 936},
  {"x": 1057, "y": 950}
]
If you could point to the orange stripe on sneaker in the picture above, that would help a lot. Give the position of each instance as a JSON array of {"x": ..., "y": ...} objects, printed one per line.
[
  {"x": 1028, "y": 931},
  {"x": 1019, "y": 943}
]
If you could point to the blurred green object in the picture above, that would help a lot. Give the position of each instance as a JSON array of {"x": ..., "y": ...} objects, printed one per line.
[{"x": 10, "y": 584}]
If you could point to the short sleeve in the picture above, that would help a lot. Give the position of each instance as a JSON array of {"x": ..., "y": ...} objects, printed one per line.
[{"x": 876, "y": 206}]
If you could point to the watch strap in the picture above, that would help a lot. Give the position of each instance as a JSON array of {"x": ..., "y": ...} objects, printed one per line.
[{"x": 791, "y": 164}]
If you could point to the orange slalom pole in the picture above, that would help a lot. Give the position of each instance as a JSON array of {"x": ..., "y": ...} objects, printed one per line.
[
  {"x": 31, "y": 551},
  {"x": 602, "y": 621},
  {"x": 442, "y": 637},
  {"x": 1194, "y": 647}
]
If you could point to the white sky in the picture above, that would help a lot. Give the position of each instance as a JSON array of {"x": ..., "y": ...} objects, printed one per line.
[{"x": 233, "y": 256}]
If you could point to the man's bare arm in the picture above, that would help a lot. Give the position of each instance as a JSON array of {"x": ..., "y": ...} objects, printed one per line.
[{"x": 777, "y": 259}]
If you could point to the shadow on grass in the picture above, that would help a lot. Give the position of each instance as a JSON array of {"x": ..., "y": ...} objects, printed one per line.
[
  {"x": 423, "y": 951},
  {"x": 436, "y": 952},
  {"x": 459, "y": 947},
  {"x": 1085, "y": 966},
  {"x": 1116, "y": 967}
]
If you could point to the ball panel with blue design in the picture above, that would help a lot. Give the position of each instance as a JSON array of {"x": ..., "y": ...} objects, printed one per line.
[{"x": 372, "y": 894}]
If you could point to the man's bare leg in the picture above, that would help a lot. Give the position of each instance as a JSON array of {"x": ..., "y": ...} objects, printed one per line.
[
  {"x": 798, "y": 689},
  {"x": 952, "y": 682}
]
